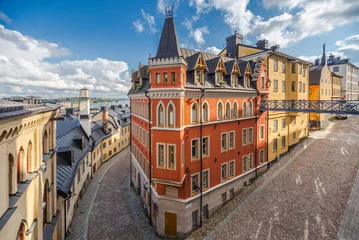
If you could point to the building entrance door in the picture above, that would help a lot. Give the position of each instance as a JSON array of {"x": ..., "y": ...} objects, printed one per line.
[{"x": 170, "y": 224}]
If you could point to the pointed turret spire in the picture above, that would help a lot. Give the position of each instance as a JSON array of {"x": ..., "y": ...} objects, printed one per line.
[
  {"x": 324, "y": 57},
  {"x": 168, "y": 46}
]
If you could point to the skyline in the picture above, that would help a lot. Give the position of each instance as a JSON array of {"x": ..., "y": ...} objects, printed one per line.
[{"x": 54, "y": 49}]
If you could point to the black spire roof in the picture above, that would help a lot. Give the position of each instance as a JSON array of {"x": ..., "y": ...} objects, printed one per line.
[{"x": 168, "y": 46}]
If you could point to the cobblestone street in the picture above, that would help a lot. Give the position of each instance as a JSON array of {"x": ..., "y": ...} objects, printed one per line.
[
  {"x": 109, "y": 208},
  {"x": 304, "y": 196}
]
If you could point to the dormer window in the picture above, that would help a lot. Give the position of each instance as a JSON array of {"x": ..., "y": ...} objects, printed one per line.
[
  {"x": 234, "y": 80},
  {"x": 218, "y": 76},
  {"x": 247, "y": 82},
  {"x": 198, "y": 74}
]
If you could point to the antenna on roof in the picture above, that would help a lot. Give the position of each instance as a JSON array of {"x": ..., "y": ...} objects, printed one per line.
[{"x": 169, "y": 12}]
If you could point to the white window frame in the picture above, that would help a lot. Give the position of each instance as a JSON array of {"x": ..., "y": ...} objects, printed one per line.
[
  {"x": 250, "y": 161},
  {"x": 174, "y": 114},
  {"x": 261, "y": 138},
  {"x": 250, "y": 141},
  {"x": 208, "y": 111},
  {"x": 246, "y": 138},
  {"x": 244, "y": 109},
  {"x": 234, "y": 140},
  {"x": 275, "y": 125},
  {"x": 226, "y": 149},
  {"x": 158, "y": 155},
  {"x": 208, "y": 176},
  {"x": 157, "y": 114},
  {"x": 244, "y": 161},
  {"x": 230, "y": 110},
  {"x": 168, "y": 156},
  {"x": 235, "y": 102},
  {"x": 259, "y": 155},
  {"x": 234, "y": 168},
  {"x": 197, "y": 117},
  {"x": 195, "y": 192},
  {"x": 223, "y": 107},
  {"x": 226, "y": 163},
  {"x": 208, "y": 148},
  {"x": 198, "y": 149}
]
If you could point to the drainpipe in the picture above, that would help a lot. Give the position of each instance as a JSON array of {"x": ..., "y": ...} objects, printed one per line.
[
  {"x": 273, "y": 51},
  {"x": 201, "y": 162},
  {"x": 150, "y": 153}
]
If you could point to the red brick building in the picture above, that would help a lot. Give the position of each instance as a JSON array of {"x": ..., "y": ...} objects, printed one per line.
[{"x": 197, "y": 136}]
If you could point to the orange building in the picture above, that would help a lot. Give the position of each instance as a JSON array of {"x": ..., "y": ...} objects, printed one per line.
[{"x": 197, "y": 135}]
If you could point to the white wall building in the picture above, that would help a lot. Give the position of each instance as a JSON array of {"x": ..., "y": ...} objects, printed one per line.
[{"x": 349, "y": 72}]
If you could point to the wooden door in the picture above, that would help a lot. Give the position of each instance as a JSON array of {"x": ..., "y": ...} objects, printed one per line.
[{"x": 170, "y": 224}]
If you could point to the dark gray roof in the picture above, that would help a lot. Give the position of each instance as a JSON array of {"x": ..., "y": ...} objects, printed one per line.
[
  {"x": 315, "y": 74},
  {"x": 212, "y": 64},
  {"x": 229, "y": 66},
  {"x": 192, "y": 61},
  {"x": 242, "y": 66},
  {"x": 67, "y": 131},
  {"x": 97, "y": 132},
  {"x": 168, "y": 46}
]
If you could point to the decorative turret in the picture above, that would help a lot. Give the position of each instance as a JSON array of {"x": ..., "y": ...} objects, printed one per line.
[{"x": 168, "y": 46}]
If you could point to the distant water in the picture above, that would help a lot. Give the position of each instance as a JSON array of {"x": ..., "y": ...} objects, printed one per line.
[{"x": 99, "y": 105}]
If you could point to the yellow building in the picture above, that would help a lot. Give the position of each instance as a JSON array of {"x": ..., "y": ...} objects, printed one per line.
[
  {"x": 288, "y": 80},
  {"x": 110, "y": 133},
  {"x": 320, "y": 88},
  {"x": 28, "y": 171},
  {"x": 336, "y": 86}
]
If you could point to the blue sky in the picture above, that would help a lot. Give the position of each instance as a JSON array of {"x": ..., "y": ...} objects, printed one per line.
[{"x": 53, "y": 48}]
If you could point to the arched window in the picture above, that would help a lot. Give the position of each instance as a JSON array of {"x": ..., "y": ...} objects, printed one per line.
[
  {"x": 205, "y": 112},
  {"x": 160, "y": 116},
  {"x": 228, "y": 110},
  {"x": 21, "y": 234},
  {"x": 194, "y": 112},
  {"x": 44, "y": 204},
  {"x": 244, "y": 109},
  {"x": 235, "y": 110},
  {"x": 45, "y": 143},
  {"x": 21, "y": 166},
  {"x": 171, "y": 116},
  {"x": 30, "y": 167},
  {"x": 220, "y": 111},
  {"x": 250, "y": 109},
  {"x": 12, "y": 175}
]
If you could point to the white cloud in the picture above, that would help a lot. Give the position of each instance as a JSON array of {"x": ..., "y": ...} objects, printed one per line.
[
  {"x": 4, "y": 17},
  {"x": 148, "y": 20},
  {"x": 138, "y": 26},
  {"x": 161, "y": 6},
  {"x": 23, "y": 67},
  {"x": 311, "y": 18},
  {"x": 16, "y": 89},
  {"x": 283, "y": 4},
  {"x": 213, "y": 50},
  {"x": 350, "y": 43},
  {"x": 197, "y": 35}
]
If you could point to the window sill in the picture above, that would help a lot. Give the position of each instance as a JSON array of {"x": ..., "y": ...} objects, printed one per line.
[
  {"x": 194, "y": 159},
  {"x": 204, "y": 189},
  {"x": 223, "y": 180},
  {"x": 194, "y": 193}
]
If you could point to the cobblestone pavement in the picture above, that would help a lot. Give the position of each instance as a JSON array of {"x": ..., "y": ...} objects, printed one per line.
[
  {"x": 110, "y": 209},
  {"x": 301, "y": 197}
]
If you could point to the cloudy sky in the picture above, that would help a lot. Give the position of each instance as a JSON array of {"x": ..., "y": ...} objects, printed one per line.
[{"x": 54, "y": 48}]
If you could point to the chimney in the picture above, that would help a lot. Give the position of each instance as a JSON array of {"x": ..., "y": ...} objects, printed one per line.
[
  {"x": 324, "y": 57},
  {"x": 84, "y": 107},
  {"x": 275, "y": 47},
  {"x": 316, "y": 63},
  {"x": 70, "y": 111},
  {"x": 262, "y": 43},
  {"x": 232, "y": 42},
  {"x": 120, "y": 106},
  {"x": 104, "y": 111}
]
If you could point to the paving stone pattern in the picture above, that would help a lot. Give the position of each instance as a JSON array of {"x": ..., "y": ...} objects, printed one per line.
[{"x": 303, "y": 196}]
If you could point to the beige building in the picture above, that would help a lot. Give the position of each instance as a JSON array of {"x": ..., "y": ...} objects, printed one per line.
[
  {"x": 336, "y": 86},
  {"x": 289, "y": 80},
  {"x": 28, "y": 172}
]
